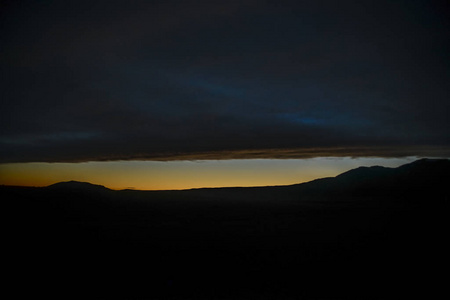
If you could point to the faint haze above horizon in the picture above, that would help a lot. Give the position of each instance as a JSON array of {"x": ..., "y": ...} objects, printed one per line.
[{"x": 150, "y": 175}]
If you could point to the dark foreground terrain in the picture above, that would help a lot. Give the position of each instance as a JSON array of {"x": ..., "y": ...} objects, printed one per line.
[{"x": 370, "y": 233}]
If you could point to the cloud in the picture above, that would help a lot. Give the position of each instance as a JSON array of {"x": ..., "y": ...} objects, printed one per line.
[{"x": 196, "y": 79}]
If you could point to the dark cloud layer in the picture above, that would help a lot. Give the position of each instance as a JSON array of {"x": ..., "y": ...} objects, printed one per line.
[{"x": 105, "y": 80}]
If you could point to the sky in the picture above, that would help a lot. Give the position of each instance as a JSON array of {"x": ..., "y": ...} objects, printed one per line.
[
  {"x": 167, "y": 81},
  {"x": 176, "y": 175}
]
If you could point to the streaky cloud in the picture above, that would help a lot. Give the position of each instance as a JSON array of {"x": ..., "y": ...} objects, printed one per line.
[{"x": 284, "y": 153}]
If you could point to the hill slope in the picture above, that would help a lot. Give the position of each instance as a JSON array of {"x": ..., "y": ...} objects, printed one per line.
[
  {"x": 77, "y": 185},
  {"x": 368, "y": 233}
]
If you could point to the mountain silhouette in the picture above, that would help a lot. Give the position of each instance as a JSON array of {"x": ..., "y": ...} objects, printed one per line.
[
  {"x": 77, "y": 185},
  {"x": 371, "y": 233}
]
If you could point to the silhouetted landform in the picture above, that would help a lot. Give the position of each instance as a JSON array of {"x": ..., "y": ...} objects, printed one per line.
[
  {"x": 369, "y": 233},
  {"x": 77, "y": 185}
]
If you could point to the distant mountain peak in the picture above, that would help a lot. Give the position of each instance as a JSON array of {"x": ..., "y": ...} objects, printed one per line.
[
  {"x": 427, "y": 161},
  {"x": 420, "y": 170},
  {"x": 364, "y": 171},
  {"x": 78, "y": 185}
]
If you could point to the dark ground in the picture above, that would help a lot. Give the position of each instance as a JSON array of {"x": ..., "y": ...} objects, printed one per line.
[{"x": 370, "y": 233}]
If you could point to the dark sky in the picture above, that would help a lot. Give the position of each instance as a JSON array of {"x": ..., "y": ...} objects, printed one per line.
[{"x": 106, "y": 80}]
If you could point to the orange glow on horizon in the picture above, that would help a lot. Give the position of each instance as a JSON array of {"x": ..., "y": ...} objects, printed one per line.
[{"x": 151, "y": 175}]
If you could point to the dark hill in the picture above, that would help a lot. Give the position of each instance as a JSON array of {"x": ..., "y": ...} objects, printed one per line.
[
  {"x": 369, "y": 233},
  {"x": 77, "y": 185},
  {"x": 365, "y": 173}
]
